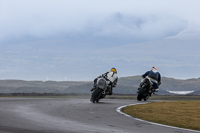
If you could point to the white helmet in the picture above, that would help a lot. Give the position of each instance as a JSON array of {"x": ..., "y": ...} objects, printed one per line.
[{"x": 154, "y": 69}]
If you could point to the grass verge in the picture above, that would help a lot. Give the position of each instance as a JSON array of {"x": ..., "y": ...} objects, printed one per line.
[
  {"x": 158, "y": 97},
  {"x": 184, "y": 114}
]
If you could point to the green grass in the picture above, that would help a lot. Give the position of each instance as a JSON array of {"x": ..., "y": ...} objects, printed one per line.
[{"x": 184, "y": 114}]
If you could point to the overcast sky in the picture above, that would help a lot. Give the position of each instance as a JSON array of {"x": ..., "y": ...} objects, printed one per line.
[{"x": 80, "y": 39}]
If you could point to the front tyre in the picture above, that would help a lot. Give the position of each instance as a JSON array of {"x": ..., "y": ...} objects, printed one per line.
[
  {"x": 140, "y": 94},
  {"x": 95, "y": 95}
]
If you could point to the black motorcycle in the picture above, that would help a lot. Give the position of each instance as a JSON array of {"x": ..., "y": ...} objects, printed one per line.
[
  {"x": 99, "y": 91},
  {"x": 146, "y": 90}
]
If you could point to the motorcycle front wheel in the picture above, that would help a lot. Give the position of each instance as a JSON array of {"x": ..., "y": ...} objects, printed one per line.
[
  {"x": 140, "y": 94},
  {"x": 96, "y": 95}
]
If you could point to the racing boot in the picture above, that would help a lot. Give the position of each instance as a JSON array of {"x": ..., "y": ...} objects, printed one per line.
[{"x": 110, "y": 91}]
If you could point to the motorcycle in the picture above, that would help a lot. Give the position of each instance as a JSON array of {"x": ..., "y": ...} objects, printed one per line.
[
  {"x": 146, "y": 90},
  {"x": 100, "y": 90}
]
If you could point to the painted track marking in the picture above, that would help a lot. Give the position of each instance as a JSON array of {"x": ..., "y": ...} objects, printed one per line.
[{"x": 119, "y": 110}]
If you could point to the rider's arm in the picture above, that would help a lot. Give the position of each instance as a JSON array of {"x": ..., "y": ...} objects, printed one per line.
[
  {"x": 104, "y": 75},
  {"x": 144, "y": 75},
  {"x": 100, "y": 76}
]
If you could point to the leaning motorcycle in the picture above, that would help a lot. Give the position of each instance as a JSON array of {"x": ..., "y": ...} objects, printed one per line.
[
  {"x": 100, "y": 90},
  {"x": 146, "y": 90}
]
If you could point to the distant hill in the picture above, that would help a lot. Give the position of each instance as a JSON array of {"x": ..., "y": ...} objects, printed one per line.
[
  {"x": 21, "y": 86},
  {"x": 126, "y": 85},
  {"x": 168, "y": 84}
]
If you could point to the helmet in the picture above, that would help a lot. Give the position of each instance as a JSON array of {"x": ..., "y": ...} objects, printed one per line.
[
  {"x": 154, "y": 69},
  {"x": 113, "y": 70}
]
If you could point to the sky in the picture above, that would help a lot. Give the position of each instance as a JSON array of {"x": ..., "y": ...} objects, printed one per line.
[{"x": 79, "y": 40}]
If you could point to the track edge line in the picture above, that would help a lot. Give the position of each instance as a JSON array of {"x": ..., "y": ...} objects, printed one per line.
[{"x": 119, "y": 110}]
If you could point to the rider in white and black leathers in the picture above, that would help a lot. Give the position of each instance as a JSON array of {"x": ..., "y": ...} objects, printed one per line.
[
  {"x": 155, "y": 78},
  {"x": 111, "y": 79}
]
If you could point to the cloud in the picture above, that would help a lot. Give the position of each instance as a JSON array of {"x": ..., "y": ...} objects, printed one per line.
[
  {"x": 146, "y": 27},
  {"x": 61, "y": 37},
  {"x": 36, "y": 20},
  {"x": 190, "y": 33}
]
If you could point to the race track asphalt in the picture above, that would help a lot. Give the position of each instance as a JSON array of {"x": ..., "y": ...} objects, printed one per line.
[{"x": 52, "y": 115}]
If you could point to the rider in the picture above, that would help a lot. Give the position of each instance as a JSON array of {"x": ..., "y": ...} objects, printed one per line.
[
  {"x": 155, "y": 78},
  {"x": 111, "y": 79}
]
